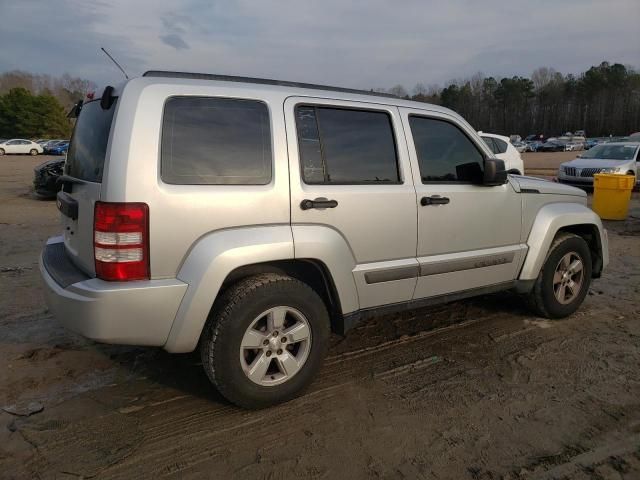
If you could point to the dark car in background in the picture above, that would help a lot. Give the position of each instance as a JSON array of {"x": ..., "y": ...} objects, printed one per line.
[
  {"x": 56, "y": 147},
  {"x": 552, "y": 146},
  {"x": 45, "y": 177},
  {"x": 591, "y": 142}
]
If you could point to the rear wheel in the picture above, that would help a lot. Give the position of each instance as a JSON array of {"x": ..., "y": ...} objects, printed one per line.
[
  {"x": 33, "y": 152},
  {"x": 564, "y": 279},
  {"x": 1, "y": 151},
  {"x": 265, "y": 340}
]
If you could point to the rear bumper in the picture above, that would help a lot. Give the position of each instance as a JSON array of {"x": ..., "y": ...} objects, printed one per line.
[{"x": 129, "y": 313}]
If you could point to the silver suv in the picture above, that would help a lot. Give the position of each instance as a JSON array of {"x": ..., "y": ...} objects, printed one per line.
[{"x": 250, "y": 218}]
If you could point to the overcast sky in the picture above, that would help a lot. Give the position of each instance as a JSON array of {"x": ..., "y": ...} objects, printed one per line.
[{"x": 360, "y": 43}]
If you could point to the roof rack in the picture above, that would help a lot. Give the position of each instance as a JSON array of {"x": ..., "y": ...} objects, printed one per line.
[{"x": 261, "y": 81}]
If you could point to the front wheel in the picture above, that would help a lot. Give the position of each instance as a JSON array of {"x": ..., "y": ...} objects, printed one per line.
[
  {"x": 564, "y": 279},
  {"x": 33, "y": 152},
  {"x": 1, "y": 151},
  {"x": 265, "y": 340}
]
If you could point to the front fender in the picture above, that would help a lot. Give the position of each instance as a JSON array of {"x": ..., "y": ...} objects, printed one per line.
[
  {"x": 207, "y": 265},
  {"x": 549, "y": 220}
]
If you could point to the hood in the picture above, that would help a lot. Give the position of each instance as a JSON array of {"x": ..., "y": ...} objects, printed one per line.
[
  {"x": 595, "y": 163},
  {"x": 538, "y": 185}
]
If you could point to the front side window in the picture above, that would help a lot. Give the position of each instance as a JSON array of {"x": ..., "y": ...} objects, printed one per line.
[
  {"x": 445, "y": 153},
  {"x": 346, "y": 146},
  {"x": 215, "y": 141}
]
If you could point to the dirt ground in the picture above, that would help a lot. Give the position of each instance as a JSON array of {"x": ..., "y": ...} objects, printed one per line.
[{"x": 478, "y": 390}]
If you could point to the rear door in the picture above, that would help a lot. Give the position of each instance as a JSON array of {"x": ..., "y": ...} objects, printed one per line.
[
  {"x": 83, "y": 173},
  {"x": 25, "y": 146},
  {"x": 354, "y": 156}
]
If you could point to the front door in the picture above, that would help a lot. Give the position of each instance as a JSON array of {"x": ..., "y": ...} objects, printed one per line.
[
  {"x": 468, "y": 234},
  {"x": 351, "y": 179}
]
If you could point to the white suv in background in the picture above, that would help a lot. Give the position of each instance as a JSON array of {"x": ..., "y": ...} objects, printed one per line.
[{"x": 503, "y": 149}]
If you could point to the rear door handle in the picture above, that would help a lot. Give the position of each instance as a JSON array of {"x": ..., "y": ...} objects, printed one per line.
[
  {"x": 434, "y": 200},
  {"x": 320, "y": 202}
]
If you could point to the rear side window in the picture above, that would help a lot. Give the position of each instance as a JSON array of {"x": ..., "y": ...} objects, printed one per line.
[
  {"x": 501, "y": 145},
  {"x": 215, "y": 141},
  {"x": 345, "y": 146},
  {"x": 445, "y": 153},
  {"x": 88, "y": 148}
]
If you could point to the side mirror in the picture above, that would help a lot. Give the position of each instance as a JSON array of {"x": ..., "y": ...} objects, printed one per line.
[{"x": 494, "y": 172}]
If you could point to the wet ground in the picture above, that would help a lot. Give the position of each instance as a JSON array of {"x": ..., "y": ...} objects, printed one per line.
[{"x": 479, "y": 389}]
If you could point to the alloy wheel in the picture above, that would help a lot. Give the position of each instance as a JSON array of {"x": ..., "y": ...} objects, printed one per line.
[
  {"x": 568, "y": 278},
  {"x": 275, "y": 346}
]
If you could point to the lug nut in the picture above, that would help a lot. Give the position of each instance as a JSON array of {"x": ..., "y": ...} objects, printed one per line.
[
  {"x": 265, "y": 343},
  {"x": 283, "y": 339},
  {"x": 268, "y": 353},
  {"x": 279, "y": 351},
  {"x": 275, "y": 334}
]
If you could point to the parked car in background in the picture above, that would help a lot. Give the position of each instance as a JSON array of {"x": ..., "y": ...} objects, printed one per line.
[
  {"x": 538, "y": 137},
  {"x": 51, "y": 143},
  {"x": 620, "y": 158},
  {"x": 45, "y": 177},
  {"x": 520, "y": 146},
  {"x": 574, "y": 146},
  {"x": 552, "y": 146},
  {"x": 503, "y": 149},
  {"x": 591, "y": 142},
  {"x": 20, "y": 146},
  {"x": 52, "y": 147},
  {"x": 532, "y": 146},
  {"x": 59, "y": 148}
]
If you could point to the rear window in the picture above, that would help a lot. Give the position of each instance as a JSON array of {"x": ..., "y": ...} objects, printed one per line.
[
  {"x": 88, "y": 148},
  {"x": 215, "y": 141}
]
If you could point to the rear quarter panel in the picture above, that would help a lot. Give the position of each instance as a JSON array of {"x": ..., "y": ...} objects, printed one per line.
[{"x": 180, "y": 215}]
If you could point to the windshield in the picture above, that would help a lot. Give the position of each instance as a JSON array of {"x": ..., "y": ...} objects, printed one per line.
[
  {"x": 611, "y": 152},
  {"x": 88, "y": 148}
]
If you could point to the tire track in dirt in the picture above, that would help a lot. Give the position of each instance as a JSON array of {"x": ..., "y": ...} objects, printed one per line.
[{"x": 223, "y": 427}]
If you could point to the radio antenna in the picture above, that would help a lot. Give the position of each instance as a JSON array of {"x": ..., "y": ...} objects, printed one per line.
[{"x": 114, "y": 61}]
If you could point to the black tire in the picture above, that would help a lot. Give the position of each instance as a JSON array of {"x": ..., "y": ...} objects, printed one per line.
[
  {"x": 1, "y": 151},
  {"x": 542, "y": 299},
  {"x": 33, "y": 152},
  {"x": 231, "y": 316}
]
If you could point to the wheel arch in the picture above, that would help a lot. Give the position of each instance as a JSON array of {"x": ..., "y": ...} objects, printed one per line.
[
  {"x": 568, "y": 217},
  {"x": 310, "y": 271},
  {"x": 589, "y": 233},
  {"x": 221, "y": 258}
]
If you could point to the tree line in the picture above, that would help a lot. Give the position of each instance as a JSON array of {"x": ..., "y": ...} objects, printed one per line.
[
  {"x": 34, "y": 105},
  {"x": 604, "y": 100}
]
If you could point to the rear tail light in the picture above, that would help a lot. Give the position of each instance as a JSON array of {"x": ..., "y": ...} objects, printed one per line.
[{"x": 121, "y": 241}]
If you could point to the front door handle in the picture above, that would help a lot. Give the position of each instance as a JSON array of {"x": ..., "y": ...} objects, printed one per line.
[
  {"x": 434, "y": 200},
  {"x": 320, "y": 202}
]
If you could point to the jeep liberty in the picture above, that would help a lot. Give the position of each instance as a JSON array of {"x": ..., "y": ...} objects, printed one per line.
[{"x": 250, "y": 218}]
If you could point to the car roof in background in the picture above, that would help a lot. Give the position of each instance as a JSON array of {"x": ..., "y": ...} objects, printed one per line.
[{"x": 495, "y": 135}]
